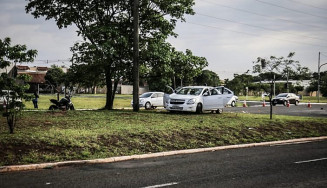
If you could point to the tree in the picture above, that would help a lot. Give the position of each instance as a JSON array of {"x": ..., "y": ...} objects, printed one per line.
[
  {"x": 17, "y": 84},
  {"x": 207, "y": 77},
  {"x": 106, "y": 27},
  {"x": 268, "y": 65},
  {"x": 55, "y": 76},
  {"x": 239, "y": 83}
]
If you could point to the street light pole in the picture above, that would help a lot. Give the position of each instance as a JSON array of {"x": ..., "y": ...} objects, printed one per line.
[{"x": 319, "y": 79}]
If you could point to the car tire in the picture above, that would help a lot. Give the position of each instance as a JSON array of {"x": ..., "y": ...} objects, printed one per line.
[
  {"x": 274, "y": 104},
  {"x": 285, "y": 103},
  {"x": 233, "y": 104},
  {"x": 199, "y": 108},
  {"x": 296, "y": 103},
  {"x": 148, "y": 106},
  {"x": 219, "y": 111}
]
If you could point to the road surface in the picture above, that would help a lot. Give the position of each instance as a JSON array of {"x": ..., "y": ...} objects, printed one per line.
[{"x": 291, "y": 165}]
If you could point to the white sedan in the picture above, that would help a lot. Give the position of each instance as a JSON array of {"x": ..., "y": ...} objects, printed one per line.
[
  {"x": 197, "y": 99},
  {"x": 150, "y": 100}
]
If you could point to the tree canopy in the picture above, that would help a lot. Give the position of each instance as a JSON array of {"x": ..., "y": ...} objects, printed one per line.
[{"x": 106, "y": 27}]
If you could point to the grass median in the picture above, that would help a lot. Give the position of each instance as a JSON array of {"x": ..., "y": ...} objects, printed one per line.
[{"x": 43, "y": 136}]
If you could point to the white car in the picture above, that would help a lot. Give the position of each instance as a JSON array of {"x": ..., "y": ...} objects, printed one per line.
[
  {"x": 233, "y": 99},
  {"x": 197, "y": 99},
  {"x": 151, "y": 100},
  {"x": 4, "y": 97}
]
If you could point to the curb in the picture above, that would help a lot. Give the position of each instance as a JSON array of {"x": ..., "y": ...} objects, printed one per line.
[{"x": 14, "y": 168}]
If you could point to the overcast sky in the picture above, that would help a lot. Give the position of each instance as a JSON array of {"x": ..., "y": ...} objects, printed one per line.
[{"x": 231, "y": 34}]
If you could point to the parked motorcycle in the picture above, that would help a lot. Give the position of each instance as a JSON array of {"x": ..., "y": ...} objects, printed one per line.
[{"x": 64, "y": 104}]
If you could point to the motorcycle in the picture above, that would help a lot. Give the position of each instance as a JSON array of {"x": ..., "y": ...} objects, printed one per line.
[{"x": 64, "y": 104}]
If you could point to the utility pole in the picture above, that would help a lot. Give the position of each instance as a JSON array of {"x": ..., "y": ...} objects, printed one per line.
[
  {"x": 318, "y": 93},
  {"x": 136, "y": 73}
]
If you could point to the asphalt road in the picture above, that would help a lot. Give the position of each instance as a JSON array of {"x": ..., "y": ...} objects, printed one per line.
[
  {"x": 317, "y": 110},
  {"x": 292, "y": 165}
]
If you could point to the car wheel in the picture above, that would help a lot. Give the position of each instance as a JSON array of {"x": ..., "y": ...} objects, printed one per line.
[
  {"x": 147, "y": 105},
  {"x": 219, "y": 111},
  {"x": 274, "y": 104},
  {"x": 233, "y": 104},
  {"x": 296, "y": 103},
  {"x": 285, "y": 103},
  {"x": 199, "y": 108},
  {"x": 72, "y": 107}
]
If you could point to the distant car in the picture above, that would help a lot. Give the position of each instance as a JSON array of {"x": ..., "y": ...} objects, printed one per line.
[
  {"x": 283, "y": 98},
  {"x": 234, "y": 98},
  {"x": 7, "y": 94},
  {"x": 150, "y": 100},
  {"x": 232, "y": 101}
]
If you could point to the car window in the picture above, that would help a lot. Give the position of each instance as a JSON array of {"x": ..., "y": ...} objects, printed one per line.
[
  {"x": 206, "y": 92},
  {"x": 214, "y": 92},
  {"x": 145, "y": 95},
  {"x": 160, "y": 94},
  {"x": 282, "y": 95},
  {"x": 154, "y": 95},
  {"x": 189, "y": 91}
]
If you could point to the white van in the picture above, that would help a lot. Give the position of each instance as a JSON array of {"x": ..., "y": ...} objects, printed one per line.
[{"x": 197, "y": 99}]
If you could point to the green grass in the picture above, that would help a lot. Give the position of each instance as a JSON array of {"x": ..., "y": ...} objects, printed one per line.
[
  {"x": 42, "y": 136},
  {"x": 83, "y": 101}
]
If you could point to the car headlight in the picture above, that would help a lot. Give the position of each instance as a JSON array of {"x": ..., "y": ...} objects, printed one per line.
[
  {"x": 141, "y": 100},
  {"x": 191, "y": 101}
]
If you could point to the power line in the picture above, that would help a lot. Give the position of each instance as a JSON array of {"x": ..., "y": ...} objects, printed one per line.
[
  {"x": 256, "y": 35},
  {"x": 298, "y": 11},
  {"x": 263, "y": 15},
  {"x": 309, "y": 5},
  {"x": 264, "y": 28}
]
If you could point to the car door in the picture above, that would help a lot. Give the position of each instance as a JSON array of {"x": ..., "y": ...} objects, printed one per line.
[
  {"x": 210, "y": 99},
  {"x": 154, "y": 99},
  {"x": 160, "y": 99},
  {"x": 227, "y": 96},
  {"x": 217, "y": 101}
]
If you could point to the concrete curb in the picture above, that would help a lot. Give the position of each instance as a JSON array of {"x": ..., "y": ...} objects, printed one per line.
[{"x": 14, "y": 168}]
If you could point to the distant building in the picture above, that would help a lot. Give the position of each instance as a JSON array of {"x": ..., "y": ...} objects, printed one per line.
[{"x": 37, "y": 82}]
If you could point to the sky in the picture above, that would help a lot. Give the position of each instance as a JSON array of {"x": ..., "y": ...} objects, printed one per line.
[{"x": 230, "y": 34}]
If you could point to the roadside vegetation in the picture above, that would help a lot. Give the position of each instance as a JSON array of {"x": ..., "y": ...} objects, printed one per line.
[{"x": 44, "y": 136}]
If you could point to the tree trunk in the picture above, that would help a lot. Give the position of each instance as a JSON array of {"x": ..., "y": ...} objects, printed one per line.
[
  {"x": 136, "y": 106},
  {"x": 109, "y": 102},
  {"x": 11, "y": 123}
]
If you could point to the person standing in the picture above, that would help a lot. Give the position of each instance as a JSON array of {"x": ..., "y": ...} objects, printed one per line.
[{"x": 35, "y": 100}]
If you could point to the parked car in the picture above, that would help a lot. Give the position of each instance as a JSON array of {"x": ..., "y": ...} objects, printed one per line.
[
  {"x": 8, "y": 94},
  {"x": 197, "y": 99},
  {"x": 150, "y": 100},
  {"x": 233, "y": 99},
  {"x": 283, "y": 98}
]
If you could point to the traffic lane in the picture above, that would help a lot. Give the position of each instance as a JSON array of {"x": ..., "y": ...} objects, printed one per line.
[
  {"x": 293, "y": 165},
  {"x": 317, "y": 110}
]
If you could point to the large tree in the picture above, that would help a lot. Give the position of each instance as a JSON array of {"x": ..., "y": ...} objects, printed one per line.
[
  {"x": 106, "y": 27},
  {"x": 16, "y": 84}
]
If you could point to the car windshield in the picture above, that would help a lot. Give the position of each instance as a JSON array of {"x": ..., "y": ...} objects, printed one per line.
[
  {"x": 282, "y": 95},
  {"x": 189, "y": 91},
  {"x": 146, "y": 95}
]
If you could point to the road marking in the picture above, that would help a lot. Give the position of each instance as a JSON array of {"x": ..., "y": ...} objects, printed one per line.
[
  {"x": 162, "y": 185},
  {"x": 313, "y": 160}
]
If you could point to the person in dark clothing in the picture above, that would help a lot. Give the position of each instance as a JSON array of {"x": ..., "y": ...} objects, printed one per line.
[{"x": 35, "y": 100}]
